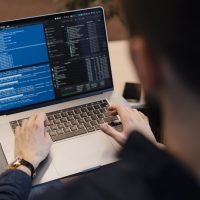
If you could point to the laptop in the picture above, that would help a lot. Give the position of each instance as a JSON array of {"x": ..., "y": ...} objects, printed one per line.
[{"x": 59, "y": 64}]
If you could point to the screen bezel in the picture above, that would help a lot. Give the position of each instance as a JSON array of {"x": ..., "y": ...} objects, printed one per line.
[{"x": 38, "y": 19}]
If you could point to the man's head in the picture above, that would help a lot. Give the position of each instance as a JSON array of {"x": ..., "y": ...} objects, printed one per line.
[
  {"x": 165, "y": 46},
  {"x": 169, "y": 29}
]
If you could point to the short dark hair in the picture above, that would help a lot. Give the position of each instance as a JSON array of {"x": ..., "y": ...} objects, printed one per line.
[{"x": 173, "y": 28}]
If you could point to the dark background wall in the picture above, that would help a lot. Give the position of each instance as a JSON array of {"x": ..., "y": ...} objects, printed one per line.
[{"x": 12, "y": 9}]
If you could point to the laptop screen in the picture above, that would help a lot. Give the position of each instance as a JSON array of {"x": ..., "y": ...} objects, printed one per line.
[{"x": 55, "y": 57}]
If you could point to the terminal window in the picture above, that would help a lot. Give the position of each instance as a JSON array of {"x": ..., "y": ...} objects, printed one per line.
[
  {"x": 53, "y": 59},
  {"x": 22, "y": 46}
]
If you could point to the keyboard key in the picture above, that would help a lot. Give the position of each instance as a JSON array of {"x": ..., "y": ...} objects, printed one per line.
[
  {"x": 94, "y": 117},
  {"x": 108, "y": 114},
  {"x": 81, "y": 121},
  {"x": 56, "y": 121},
  {"x": 58, "y": 137},
  {"x": 110, "y": 119},
  {"x": 101, "y": 110},
  {"x": 90, "y": 129},
  {"x": 50, "y": 123},
  {"x": 71, "y": 134},
  {"x": 90, "y": 108},
  {"x": 60, "y": 131},
  {"x": 63, "y": 119},
  {"x": 83, "y": 115},
  {"x": 67, "y": 130},
  {"x": 73, "y": 128},
  {"x": 61, "y": 126},
  {"x": 87, "y": 125},
  {"x": 83, "y": 109},
  {"x": 80, "y": 126},
  {"x": 57, "y": 116},
  {"x": 63, "y": 114},
  {"x": 79, "y": 132},
  {"x": 52, "y": 133},
  {"x": 93, "y": 123},
  {"x": 97, "y": 127},
  {"x": 104, "y": 105},
  {"x": 53, "y": 127},
  {"x": 67, "y": 124},
  {"x": 96, "y": 112},
  {"x": 77, "y": 116},
  {"x": 50, "y": 117},
  {"x": 70, "y": 118},
  {"x": 20, "y": 121},
  {"x": 70, "y": 112},
  {"x": 115, "y": 123},
  {"x": 14, "y": 126},
  {"x": 14, "y": 123},
  {"x": 100, "y": 116},
  {"x": 74, "y": 122},
  {"x": 89, "y": 113},
  {"x": 100, "y": 121},
  {"x": 97, "y": 106},
  {"x": 88, "y": 119},
  {"x": 77, "y": 111}
]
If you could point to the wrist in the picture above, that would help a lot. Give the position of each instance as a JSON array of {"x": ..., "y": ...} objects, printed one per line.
[
  {"x": 24, "y": 169},
  {"x": 23, "y": 165},
  {"x": 33, "y": 162}
]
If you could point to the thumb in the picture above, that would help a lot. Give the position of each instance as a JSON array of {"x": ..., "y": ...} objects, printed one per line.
[{"x": 118, "y": 136}]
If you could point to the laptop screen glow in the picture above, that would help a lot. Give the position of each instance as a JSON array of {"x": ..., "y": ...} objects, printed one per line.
[{"x": 54, "y": 57}]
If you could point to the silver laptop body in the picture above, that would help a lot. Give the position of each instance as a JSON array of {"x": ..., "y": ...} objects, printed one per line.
[{"x": 52, "y": 63}]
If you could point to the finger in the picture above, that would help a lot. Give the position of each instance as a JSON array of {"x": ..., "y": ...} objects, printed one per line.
[
  {"x": 48, "y": 137},
  {"x": 123, "y": 112},
  {"x": 17, "y": 136},
  {"x": 31, "y": 120},
  {"x": 112, "y": 110},
  {"x": 17, "y": 131},
  {"x": 119, "y": 137},
  {"x": 41, "y": 117},
  {"x": 40, "y": 120},
  {"x": 24, "y": 123},
  {"x": 114, "y": 113},
  {"x": 46, "y": 122}
]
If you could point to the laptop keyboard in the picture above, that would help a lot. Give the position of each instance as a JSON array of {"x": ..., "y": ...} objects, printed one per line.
[{"x": 74, "y": 121}]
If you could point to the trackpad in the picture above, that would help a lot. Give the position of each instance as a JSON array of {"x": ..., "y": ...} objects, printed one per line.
[{"x": 82, "y": 153}]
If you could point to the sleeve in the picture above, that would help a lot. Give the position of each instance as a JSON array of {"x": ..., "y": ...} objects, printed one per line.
[{"x": 14, "y": 185}]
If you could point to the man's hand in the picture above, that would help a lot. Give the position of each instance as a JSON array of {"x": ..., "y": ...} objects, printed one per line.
[
  {"x": 32, "y": 142},
  {"x": 132, "y": 120}
]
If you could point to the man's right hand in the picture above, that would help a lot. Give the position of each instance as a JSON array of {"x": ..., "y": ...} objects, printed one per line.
[
  {"x": 32, "y": 142},
  {"x": 132, "y": 120}
]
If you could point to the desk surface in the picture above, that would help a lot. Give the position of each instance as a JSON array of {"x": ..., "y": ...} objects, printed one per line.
[{"x": 123, "y": 68}]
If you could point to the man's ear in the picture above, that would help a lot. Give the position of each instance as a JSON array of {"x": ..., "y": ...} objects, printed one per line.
[{"x": 146, "y": 63}]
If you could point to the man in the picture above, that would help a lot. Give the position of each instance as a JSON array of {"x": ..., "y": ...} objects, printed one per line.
[{"x": 164, "y": 45}]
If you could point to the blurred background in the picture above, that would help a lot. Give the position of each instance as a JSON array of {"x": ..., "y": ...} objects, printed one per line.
[{"x": 12, "y": 9}]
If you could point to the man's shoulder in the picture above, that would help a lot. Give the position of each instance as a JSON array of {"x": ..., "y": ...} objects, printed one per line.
[{"x": 144, "y": 172}]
